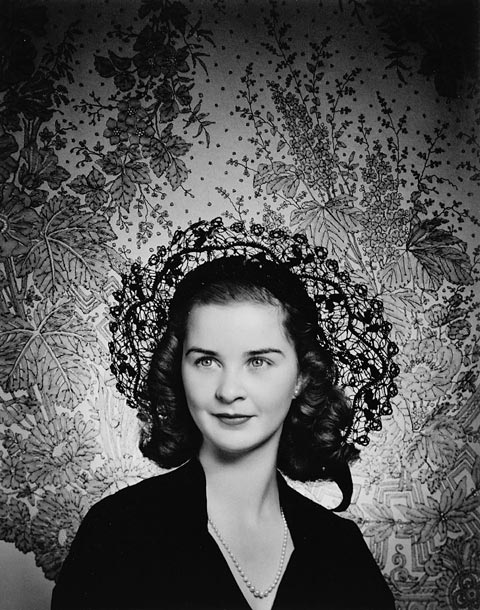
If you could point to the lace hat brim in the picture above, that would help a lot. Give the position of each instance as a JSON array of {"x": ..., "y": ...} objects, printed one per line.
[{"x": 351, "y": 324}]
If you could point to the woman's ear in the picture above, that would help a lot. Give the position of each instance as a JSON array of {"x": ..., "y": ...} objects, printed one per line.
[{"x": 299, "y": 386}]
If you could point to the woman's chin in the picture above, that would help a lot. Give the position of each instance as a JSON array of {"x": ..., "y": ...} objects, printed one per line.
[
  {"x": 233, "y": 449},
  {"x": 227, "y": 451}
]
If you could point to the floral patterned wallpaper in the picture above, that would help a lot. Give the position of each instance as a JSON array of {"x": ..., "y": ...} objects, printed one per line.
[{"x": 352, "y": 121}]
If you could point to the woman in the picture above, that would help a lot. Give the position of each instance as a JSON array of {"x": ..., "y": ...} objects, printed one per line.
[{"x": 240, "y": 387}]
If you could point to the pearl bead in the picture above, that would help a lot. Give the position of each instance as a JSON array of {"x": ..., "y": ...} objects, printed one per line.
[{"x": 253, "y": 590}]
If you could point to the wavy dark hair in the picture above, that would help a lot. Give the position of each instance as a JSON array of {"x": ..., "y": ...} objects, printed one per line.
[{"x": 312, "y": 444}]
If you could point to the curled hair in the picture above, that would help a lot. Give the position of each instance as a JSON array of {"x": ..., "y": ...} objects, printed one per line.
[{"x": 312, "y": 444}]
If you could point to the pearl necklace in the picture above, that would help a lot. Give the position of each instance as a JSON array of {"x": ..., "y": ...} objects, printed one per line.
[{"x": 253, "y": 590}]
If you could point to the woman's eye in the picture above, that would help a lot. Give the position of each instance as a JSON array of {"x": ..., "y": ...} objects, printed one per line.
[
  {"x": 204, "y": 362},
  {"x": 258, "y": 362}
]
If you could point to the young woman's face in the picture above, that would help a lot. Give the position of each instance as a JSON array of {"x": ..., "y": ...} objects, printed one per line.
[{"x": 239, "y": 372}]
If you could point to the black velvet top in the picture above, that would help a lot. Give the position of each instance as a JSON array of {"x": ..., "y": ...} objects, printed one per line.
[{"x": 148, "y": 547}]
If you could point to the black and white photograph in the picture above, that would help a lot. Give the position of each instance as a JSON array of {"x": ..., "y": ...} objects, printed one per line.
[{"x": 239, "y": 305}]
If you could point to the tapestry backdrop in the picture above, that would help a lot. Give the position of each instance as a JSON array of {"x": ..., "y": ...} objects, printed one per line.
[{"x": 354, "y": 122}]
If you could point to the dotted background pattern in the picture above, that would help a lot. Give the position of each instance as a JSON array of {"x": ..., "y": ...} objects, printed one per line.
[{"x": 353, "y": 122}]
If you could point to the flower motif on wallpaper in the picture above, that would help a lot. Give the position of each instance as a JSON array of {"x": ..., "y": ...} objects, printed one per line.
[
  {"x": 428, "y": 367},
  {"x": 444, "y": 517},
  {"x": 141, "y": 133},
  {"x": 114, "y": 475},
  {"x": 58, "y": 252},
  {"x": 130, "y": 111},
  {"x": 459, "y": 330},
  {"x": 453, "y": 317},
  {"x": 13, "y": 473},
  {"x": 116, "y": 132},
  {"x": 134, "y": 118},
  {"x": 58, "y": 517},
  {"x": 57, "y": 451},
  {"x": 15, "y": 522},
  {"x": 437, "y": 315},
  {"x": 150, "y": 47},
  {"x": 174, "y": 60},
  {"x": 380, "y": 211},
  {"x": 154, "y": 91}
]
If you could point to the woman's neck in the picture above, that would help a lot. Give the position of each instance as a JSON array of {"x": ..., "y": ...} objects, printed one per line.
[{"x": 244, "y": 486}]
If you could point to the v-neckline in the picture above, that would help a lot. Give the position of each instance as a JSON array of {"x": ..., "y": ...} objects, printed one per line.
[
  {"x": 297, "y": 530},
  {"x": 235, "y": 586}
]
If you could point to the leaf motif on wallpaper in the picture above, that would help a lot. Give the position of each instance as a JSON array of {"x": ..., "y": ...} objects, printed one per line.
[
  {"x": 175, "y": 145},
  {"x": 379, "y": 521},
  {"x": 399, "y": 308},
  {"x": 177, "y": 173},
  {"x": 128, "y": 174},
  {"x": 329, "y": 225},
  {"x": 41, "y": 165},
  {"x": 8, "y": 164},
  {"x": 123, "y": 190},
  {"x": 112, "y": 65},
  {"x": 436, "y": 444},
  {"x": 111, "y": 163},
  {"x": 138, "y": 172},
  {"x": 15, "y": 411},
  {"x": 277, "y": 176},
  {"x": 431, "y": 255},
  {"x": 51, "y": 352},
  {"x": 70, "y": 250},
  {"x": 159, "y": 158},
  {"x": 92, "y": 186},
  {"x": 400, "y": 272},
  {"x": 164, "y": 153},
  {"x": 476, "y": 472}
]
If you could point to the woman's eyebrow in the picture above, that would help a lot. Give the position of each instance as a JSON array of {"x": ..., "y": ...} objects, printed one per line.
[
  {"x": 264, "y": 350},
  {"x": 200, "y": 350},
  {"x": 254, "y": 352}
]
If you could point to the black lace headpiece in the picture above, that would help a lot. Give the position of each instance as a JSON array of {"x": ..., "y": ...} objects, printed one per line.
[{"x": 351, "y": 325}]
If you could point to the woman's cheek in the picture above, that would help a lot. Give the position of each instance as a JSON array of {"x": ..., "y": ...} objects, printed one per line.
[{"x": 202, "y": 383}]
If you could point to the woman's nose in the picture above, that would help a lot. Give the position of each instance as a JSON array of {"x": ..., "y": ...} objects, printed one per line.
[{"x": 230, "y": 387}]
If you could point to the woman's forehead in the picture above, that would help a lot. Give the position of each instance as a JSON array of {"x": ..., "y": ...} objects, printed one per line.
[{"x": 243, "y": 321}]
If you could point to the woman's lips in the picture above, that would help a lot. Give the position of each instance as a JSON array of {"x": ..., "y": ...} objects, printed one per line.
[{"x": 232, "y": 420}]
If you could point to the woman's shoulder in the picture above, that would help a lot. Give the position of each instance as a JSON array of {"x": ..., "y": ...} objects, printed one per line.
[
  {"x": 334, "y": 545},
  {"x": 313, "y": 518},
  {"x": 161, "y": 495}
]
